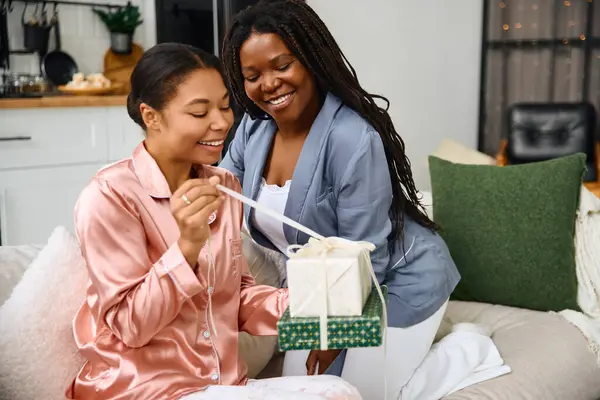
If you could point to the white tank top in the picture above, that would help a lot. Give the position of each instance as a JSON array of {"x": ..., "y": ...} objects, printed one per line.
[{"x": 275, "y": 198}]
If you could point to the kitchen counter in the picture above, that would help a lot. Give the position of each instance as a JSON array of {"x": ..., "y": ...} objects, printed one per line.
[{"x": 63, "y": 101}]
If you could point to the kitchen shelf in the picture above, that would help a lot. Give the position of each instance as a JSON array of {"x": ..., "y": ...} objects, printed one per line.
[
  {"x": 71, "y": 3},
  {"x": 22, "y": 51},
  {"x": 64, "y": 101}
]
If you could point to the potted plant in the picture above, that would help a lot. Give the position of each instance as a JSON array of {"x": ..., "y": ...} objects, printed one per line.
[{"x": 121, "y": 23}]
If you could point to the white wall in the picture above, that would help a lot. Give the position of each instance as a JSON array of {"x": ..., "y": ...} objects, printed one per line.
[
  {"x": 83, "y": 35},
  {"x": 424, "y": 56}
]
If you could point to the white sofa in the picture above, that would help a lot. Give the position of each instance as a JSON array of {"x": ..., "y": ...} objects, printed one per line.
[{"x": 549, "y": 357}]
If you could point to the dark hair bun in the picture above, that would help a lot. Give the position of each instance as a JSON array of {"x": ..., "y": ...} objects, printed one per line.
[{"x": 133, "y": 109}]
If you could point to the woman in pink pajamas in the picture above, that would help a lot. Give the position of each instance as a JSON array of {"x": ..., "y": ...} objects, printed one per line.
[{"x": 169, "y": 286}]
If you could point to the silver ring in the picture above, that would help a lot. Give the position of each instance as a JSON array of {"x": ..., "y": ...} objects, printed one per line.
[{"x": 187, "y": 201}]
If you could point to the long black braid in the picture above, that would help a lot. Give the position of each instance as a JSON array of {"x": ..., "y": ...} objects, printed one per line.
[{"x": 307, "y": 37}]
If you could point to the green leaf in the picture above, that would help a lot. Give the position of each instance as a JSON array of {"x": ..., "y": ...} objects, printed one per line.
[{"x": 122, "y": 20}]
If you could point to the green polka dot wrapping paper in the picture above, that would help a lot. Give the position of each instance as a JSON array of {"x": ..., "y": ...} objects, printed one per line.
[{"x": 303, "y": 333}]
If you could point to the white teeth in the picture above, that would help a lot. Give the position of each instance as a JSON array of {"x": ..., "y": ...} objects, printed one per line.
[
  {"x": 280, "y": 99},
  {"x": 217, "y": 143}
]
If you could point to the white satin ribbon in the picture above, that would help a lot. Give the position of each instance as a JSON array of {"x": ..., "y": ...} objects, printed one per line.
[{"x": 320, "y": 245}]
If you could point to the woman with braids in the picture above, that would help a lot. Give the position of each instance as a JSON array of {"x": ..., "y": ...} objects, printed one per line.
[
  {"x": 316, "y": 146},
  {"x": 169, "y": 287}
]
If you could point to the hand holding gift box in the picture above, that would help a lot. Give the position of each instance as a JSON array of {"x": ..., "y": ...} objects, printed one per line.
[{"x": 332, "y": 301}]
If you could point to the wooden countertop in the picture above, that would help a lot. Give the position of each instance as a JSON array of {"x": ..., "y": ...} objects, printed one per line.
[{"x": 64, "y": 101}]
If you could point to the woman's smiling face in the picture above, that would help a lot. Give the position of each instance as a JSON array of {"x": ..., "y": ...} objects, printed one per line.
[
  {"x": 274, "y": 79},
  {"x": 194, "y": 124}
]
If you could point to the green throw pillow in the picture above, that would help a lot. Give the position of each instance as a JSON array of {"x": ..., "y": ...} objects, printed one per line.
[{"x": 511, "y": 229}]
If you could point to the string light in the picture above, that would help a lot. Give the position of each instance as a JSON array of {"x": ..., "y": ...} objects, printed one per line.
[{"x": 531, "y": 24}]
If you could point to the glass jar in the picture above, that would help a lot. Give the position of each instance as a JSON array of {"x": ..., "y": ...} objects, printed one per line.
[
  {"x": 41, "y": 84},
  {"x": 12, "y": 85},
  {"x": 28, "y": 84}
]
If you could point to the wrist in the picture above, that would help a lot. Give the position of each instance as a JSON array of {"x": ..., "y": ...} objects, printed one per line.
[{"x": 190, "y": 251}]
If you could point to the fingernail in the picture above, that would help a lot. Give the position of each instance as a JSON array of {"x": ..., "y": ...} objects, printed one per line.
[{"x": 213, "y": 180}]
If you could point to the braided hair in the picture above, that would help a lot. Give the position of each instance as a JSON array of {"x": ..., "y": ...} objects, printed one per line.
[{"x": 307, "y": 37}]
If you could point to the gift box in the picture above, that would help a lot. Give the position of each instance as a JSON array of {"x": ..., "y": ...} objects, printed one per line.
[
  {"x": 329, "y": 277},
  {"x": 303, "y": 333},
  {"x": 329, "y": 281}
]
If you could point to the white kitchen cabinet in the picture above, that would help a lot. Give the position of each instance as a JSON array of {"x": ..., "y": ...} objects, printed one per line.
[
  {"x": 34, "y": 201},
  {"x": 47, "y": 156},
  {"x": 124, "y": 134},
  {"x": 50, "y": 136}
]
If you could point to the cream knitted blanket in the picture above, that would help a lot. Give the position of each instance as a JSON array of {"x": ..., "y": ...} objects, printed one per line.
[{"x": 587, "y": 259}]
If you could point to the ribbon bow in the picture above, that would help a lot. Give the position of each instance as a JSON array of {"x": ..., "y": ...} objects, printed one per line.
[{"x": 322, "y": 247}]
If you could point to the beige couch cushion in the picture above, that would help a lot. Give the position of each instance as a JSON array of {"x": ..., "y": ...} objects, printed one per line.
[
  {"x": 549, "y": 357},
  {"x": 455, "y": 152},
  {"x": 265, "y": 266}
]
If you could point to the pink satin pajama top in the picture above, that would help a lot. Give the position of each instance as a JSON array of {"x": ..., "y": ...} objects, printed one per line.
[{"x": 145, "y": 328}]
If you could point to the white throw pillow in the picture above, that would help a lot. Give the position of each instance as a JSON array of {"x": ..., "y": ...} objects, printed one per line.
[
  {"x": 39, "y": 355},
  {"x": 14, "y": 261},
  {"x": 455, "y": 152}
]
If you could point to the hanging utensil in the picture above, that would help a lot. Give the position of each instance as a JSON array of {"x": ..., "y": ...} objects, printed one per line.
[
  {"x": 44, "y": 17},
  {"x": 54, "y": 15},
  {"x": 35, "y": 34},
  {"x": 33, "y": 19},
  {"x": 57, "y": 66},
  {"x": 4, "y": 42}
]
